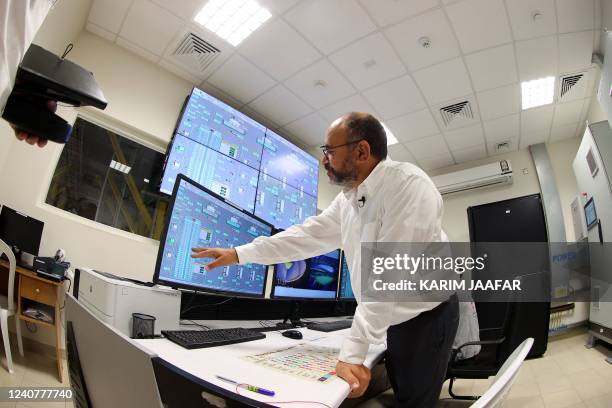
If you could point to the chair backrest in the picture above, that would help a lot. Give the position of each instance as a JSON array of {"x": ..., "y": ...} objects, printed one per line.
[
  {"x": 6, "y": 250},
  {"x": 117, "y": 371},
  {"x": 497, "y": 393}
]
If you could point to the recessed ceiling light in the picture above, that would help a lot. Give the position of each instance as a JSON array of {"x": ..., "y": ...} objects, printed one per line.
[
  {"x": 538, "y": 92},
  {"x": 232, "y": 20},
  {"x": 391, "y": 139}
]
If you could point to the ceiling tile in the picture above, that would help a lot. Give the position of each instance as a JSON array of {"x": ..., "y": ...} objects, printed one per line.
[
  {"x": 355, "y": 103},
  {"x": 524, "y": 25},
  {"x": 436, "y": 162},
  {"x": 97, "y": 30},
  {"x": 430, "y": 146},
  {"x": 492, "y": 68},
  {"x": 537, "y": 58},
  {"x": 395, "y": 97},
  {"x": 499, "y": 102},
  {"x": 575, "y": 51},
  {"x": 413, "y": 126},
  {"x": 566, "y": 113},
  {"x": 278, "y": 49},
  {"x": 186, "y": 9},
  {"x": 480, "y": 24},
  {"x": 465, "y": 137},
  {"x": 563, "y": 132},
  {"x": 470, "y": 154},
  {"x": 536, "y": 123},
  {"x": 150, "y": 26},
  {"x": 253, "y": 114},
  {"x": 444, "y": 81},
  {"x": 330, "y": 25},
  {"x": 280, "y": 105},
  {"x": 368, "y": 62},
  {"x": 219, "y": 94},
  {"x": 399, "y": 152},
  {"x": 575, "y": 15},
  {"x": 331, "y": 88},
  {"x": 405, "y": 39},
  {"x": 241, "y": 79},
  {"x": 502, "y": 129},
  {"x": 310, "y": 129},
  {"x": 108, "y": 14},
  {"x": 277, "y": 7},
  {"x": 386, "y": 12}
]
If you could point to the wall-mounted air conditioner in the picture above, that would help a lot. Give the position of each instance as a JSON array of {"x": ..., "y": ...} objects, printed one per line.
[{"x": 493, "y": 174}]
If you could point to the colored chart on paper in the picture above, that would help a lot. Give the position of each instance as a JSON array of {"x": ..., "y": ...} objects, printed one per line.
[{"x": 305, "y": 361}]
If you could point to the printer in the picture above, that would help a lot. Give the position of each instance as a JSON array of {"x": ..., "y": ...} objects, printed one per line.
[{"x": 113, "y": 299}]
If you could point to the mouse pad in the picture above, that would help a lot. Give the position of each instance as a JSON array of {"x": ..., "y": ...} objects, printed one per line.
[{"x": 305, "y": 361}]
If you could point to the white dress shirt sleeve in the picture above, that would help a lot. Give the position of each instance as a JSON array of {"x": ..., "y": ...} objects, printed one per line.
[
  {"x": 413, "y": 214},
  {"x": 19, "y": 22},
  {"x": 316, "y": 236}
]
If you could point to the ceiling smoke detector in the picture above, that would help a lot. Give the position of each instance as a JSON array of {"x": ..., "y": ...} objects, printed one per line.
[
  {"x": 425, "y": 42},
  {"x": 320, "y": 84}
]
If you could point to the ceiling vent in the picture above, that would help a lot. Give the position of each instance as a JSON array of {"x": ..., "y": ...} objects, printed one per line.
[
  {"x": 195, "y": 52},
  {"x": 457, "y": 112},
  {"x": 572, "y": 86}
]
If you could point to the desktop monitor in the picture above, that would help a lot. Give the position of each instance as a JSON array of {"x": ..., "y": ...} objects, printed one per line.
[
  {"x": 200, "y": 218},
  {"x": 281, "y": 204},
  {"x": 226, "y": 177},
  {"x": 210, "y": 122},
  {"x": 314, "y": 278},
  {"x": 20, "y": 230},
  {"x": 345, "y": 290},
  {"x": 291, "y": 165}
]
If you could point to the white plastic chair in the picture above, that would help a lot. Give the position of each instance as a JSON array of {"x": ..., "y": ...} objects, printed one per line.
[
  {"x": 503, "y": 381},
  {"x": 7, "y": 308}
]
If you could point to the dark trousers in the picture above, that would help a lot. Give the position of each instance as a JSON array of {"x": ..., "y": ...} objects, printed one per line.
[{"x": 418, "y": 351}]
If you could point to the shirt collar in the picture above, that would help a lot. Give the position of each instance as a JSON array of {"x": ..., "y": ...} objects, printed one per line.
[{"x": 371, "y": 183}]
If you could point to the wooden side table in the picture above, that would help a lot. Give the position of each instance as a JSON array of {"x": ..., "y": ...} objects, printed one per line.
[{"x": 35, "y": 290}]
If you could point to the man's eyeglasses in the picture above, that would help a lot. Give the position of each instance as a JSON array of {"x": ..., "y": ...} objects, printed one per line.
[{"x": 326, "y": 149}]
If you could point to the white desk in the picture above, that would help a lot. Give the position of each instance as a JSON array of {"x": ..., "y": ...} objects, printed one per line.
[{"x": 225, "y": 361}]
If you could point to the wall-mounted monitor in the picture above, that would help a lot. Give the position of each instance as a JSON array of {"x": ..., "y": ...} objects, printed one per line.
[
  {"x": 282, "y": 205},
  {"x": 590, "y": 214},
  {"x": 200, "y": 218},
  {"x": 313, "y": 278},
  {"x": 226, "y": 177}
]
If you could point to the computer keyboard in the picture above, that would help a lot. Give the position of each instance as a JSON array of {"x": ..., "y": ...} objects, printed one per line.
[
  {"x": 192, "y": 339},
  {"x": 330, "y": 326}
]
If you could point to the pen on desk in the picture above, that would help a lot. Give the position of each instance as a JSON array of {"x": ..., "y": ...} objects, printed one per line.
[{"x": 252, "y": 388}]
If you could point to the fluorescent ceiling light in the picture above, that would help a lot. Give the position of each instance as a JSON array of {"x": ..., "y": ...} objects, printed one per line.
[
  {"x": 232, "y": 20},
  {"x": 120, "y": 167},
  {"x": 538, "y": 92},
  {"x": 391, "y": 139}
]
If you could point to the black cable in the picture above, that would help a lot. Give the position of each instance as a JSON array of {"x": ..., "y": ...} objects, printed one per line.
[
  {"x": 207, "y": 305},
  {"x": 193, "y": 323},
  {"x": 69, "y": 48},
  {"x": 68, "y": 291}
]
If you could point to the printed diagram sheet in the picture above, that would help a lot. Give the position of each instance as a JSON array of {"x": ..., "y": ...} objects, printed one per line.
[{"x": 305, "y": 361}]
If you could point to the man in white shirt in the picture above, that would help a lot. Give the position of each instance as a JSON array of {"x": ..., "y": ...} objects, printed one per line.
[
  {"x": 19, "y": 22},
  {"x": 382, "y": 201}
]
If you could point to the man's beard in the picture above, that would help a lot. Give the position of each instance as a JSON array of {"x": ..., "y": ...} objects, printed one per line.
[{"x": 344, "y": 178}]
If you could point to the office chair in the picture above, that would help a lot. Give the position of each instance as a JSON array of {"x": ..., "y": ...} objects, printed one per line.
[
  {"x": 503, "y": 381},
  {"x": 106, "y": 368},
  {"x": 7, "y": 308}
]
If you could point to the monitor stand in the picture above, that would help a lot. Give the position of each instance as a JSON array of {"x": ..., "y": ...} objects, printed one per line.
[{"x": 294, "y": 315}]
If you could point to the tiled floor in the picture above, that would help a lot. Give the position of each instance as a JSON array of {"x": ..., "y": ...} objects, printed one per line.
[{"x": 569, "y": 375}]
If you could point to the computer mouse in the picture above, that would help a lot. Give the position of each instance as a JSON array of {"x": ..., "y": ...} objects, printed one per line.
[{"x": 293, "y": 334}]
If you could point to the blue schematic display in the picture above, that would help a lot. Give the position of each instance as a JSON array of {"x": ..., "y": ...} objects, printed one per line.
[
  {"x": 313, "y": 278},
  {"x": 215, "y": 171},
  {"x": 281, "y": 204},
  {"x": 212, "y": 123},
  {"x": 346, "y": 290},
  {"x": 288, "y": 163},
  {"x": 199, "y": 219}
]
